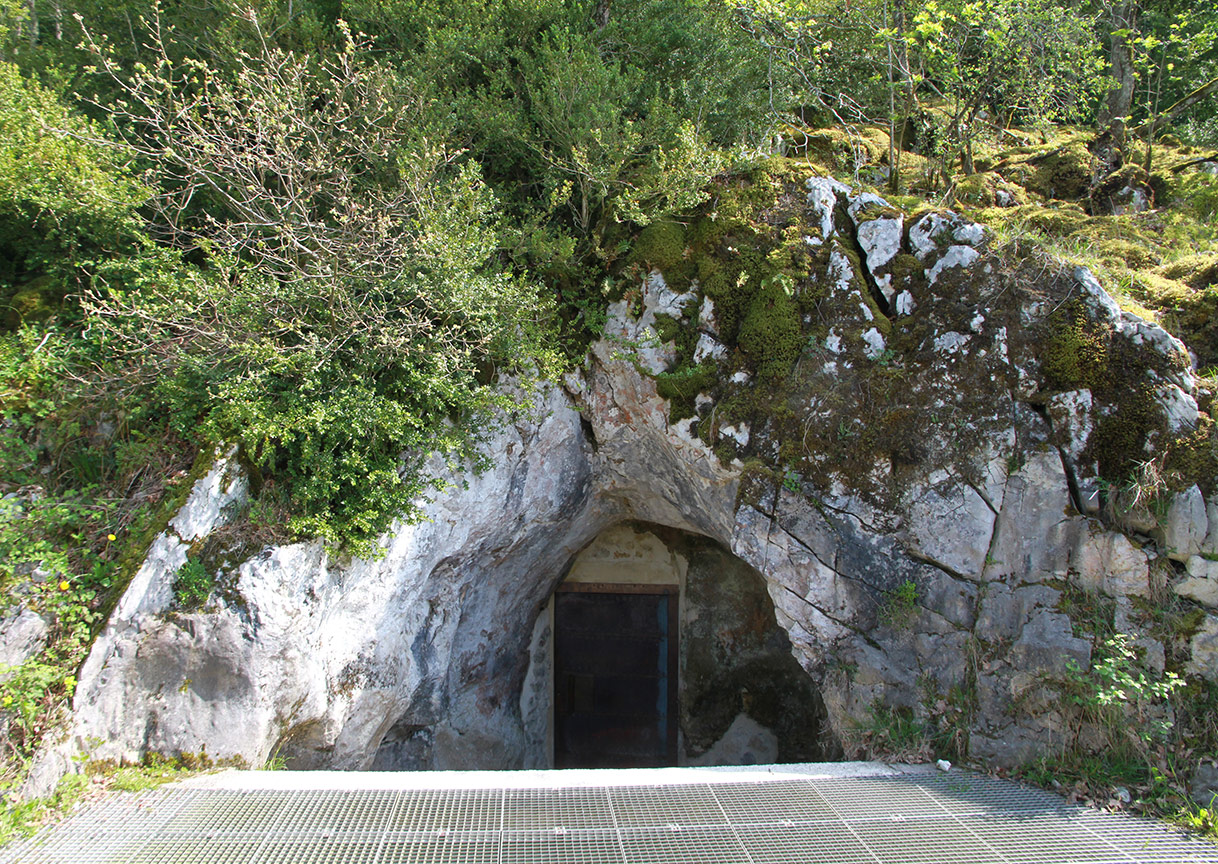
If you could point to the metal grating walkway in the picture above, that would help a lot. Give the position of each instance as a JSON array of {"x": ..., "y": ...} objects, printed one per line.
[{"x": 781, "y": 817}]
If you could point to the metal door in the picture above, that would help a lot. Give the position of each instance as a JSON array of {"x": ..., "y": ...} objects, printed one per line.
[{"x": 615, "y": 667}]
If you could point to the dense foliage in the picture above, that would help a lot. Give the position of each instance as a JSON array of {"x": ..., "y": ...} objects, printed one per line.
[{"x": 325, "y": 245}]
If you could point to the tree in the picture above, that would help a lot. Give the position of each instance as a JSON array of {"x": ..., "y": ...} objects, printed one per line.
[
  {"x": 1156, "y": 48},
  {"x": 1032, "y": 58},
  {"x": 1168, "y": 57},
  {"x": 350, "y": 299},
  {"x": 877, "y": 60},
  {"x": 602, "y": 161},
  {"x": 620, "y": 122}
]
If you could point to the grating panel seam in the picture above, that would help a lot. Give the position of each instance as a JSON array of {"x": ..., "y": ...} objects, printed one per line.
[
  {"x": 1083, "y": 824},
  {"x": 853, "y": 833},
  {"x": 735, "y": 834},
  {"x": 502, "y": 820},
  {"x": 967, "y": 830},
  {"x": 960, "y": 824},
  {"x": 617, "y": 828}
]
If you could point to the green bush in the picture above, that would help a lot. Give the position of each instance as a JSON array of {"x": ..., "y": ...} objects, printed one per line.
[
  {"x": 62, "y": 196},
  {"x": 1120, "y": 695}
]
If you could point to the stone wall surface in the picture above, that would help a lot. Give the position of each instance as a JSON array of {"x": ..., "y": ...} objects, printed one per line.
[{"x": 930, "y": 563}]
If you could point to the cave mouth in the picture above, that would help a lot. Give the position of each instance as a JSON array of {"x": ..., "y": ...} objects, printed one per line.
[{"x": 665, "y": 650}]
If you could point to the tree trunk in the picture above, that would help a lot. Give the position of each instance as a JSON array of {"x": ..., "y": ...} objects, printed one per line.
[
  {"x": 1109, "y": 144},
  {"x": 600, "y": 15},
  {"x": 1154, "y": 111},
  {"x": 1176, "y": 169},
  {"x": 32, "y": 5},
  {"x": 893, "y": 167},
  {"x": 911, "y": 96}
]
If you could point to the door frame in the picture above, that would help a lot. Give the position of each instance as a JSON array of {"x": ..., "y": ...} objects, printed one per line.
[{"x": 673, "y": 593}]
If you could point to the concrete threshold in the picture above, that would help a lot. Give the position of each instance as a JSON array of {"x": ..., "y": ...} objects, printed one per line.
[{"x": 336, "y": 781}]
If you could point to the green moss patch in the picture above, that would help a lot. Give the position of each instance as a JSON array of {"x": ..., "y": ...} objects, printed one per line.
[
  {"x": 1075, "y": 354},
  {"x": 987, "y": 189},
  {"x": 838, "y": 149},
  {"x": 1196, "y": 271},
  {"x": 1062, "y": 173},
  {"x": 682, "y": 386},
  {"x": 32, "y": 302},
  {"x": 662, "y": 246},
  {"x": 771, "y": 334}
]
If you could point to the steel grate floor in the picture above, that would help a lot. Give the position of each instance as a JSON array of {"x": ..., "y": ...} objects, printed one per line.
[{"x": 910, "y": 818}]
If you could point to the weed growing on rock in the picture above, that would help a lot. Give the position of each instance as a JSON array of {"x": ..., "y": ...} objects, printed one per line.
[
  {"x": 1136, "y": 732},
  {"x": 192, "y": 585},
  {"x": 1203, "y": 820},
  {"x": 1121, "y": 696},
  {"x": 1142, "y": 497},
  {"x": 900, "y": 605},
  {"x": 889, "y": 733}
]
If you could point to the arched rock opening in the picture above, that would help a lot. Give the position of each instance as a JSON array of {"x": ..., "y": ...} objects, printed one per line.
[{"x": 588, "y": 698}]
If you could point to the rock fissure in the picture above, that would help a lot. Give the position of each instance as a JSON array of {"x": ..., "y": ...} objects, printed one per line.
[
  {"x": 850, "y": 514},
  {"x": 981, "y": 493},
  {"x": 813, "y": 552},
  {"x": 1072, "y": 486},
  {"x": 918, "y": 555},
  {"x": 847, "y": 230},
  {"x": 853, "y": 628}
]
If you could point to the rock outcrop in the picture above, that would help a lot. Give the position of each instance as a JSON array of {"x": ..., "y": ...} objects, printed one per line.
[{"x": 926, "y": 491}]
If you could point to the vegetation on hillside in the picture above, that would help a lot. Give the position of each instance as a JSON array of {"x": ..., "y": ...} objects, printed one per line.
[{"x": 327, "y": 233}]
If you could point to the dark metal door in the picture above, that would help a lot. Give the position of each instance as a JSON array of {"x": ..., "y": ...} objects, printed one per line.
[{"x": 615, "y": 668}]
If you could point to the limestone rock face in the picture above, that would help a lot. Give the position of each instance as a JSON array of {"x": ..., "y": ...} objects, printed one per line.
[
  {"x": 315, "y": 659},
  {"x": 1184, "y": 528},
  {"x": 1201, "y": 585},
  {"x": 921, "y": 500},
  {"x": 1205, "y": 649},
  {"x": 23, "y": 633}
]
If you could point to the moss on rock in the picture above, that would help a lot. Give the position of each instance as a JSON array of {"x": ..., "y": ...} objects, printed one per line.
[
  {"x": 682, "y": 385},
  {"x": 987, "y": 189},
  {"x": 1196, "y": 271},
  {"x": 1132, "y": 254},
  {"x": 661, "y": 245},
  {"x": 34, "y": 301},
  {"x": 1075, "y": 353},
  {"x": 1063, "y": 173},
  {"x": 771, "y": 334}
]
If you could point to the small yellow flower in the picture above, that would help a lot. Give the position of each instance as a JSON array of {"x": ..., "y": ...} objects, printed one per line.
[
  {"x": 111, "y": 537},
  {"x": 65, "y": 585}
]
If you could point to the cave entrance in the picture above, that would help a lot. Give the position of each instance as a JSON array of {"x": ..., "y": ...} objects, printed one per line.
[
  {"x": 660, "y": 647},
  {"x": 615, "y": 675}
]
